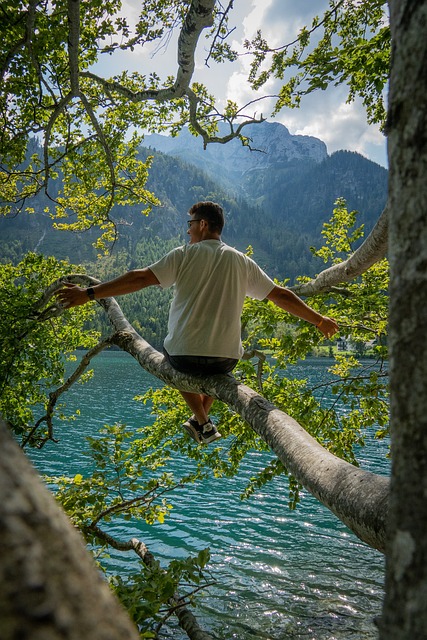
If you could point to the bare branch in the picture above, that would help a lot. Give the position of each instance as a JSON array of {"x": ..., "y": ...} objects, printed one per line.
[
  {"x": 55, "y": 395},
  {"x": 198, "y": 18},
  {"x": 160, "y": 95},
  {"x": 218, "y": 31},
  {"x": 248, "y": 355},
  {"x": 186, "y": 619},
  {"x": 207, "y": 139}
]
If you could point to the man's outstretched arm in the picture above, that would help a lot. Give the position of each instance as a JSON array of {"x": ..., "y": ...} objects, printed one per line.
[
  {"x": 289, "y": 301},
  {"x": 71, "y": 295}
]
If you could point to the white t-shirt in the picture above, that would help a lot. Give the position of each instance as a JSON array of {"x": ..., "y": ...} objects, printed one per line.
[{"x": 211, "y": 281}]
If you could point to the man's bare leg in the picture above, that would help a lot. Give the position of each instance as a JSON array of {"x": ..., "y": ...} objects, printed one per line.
[{"x": 199, "y": 404}]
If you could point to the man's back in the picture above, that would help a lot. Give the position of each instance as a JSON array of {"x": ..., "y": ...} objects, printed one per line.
[{"x": 211, "y": 282}]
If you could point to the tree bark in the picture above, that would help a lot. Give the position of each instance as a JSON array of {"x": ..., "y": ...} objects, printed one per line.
[
  {"x": 199, "y": 17},
  {"x": 405, "y": 611},
  {"x": 49, "y": 584}
]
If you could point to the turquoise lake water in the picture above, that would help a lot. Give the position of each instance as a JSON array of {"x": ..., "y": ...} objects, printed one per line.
[{"x": 280, "y": 574}]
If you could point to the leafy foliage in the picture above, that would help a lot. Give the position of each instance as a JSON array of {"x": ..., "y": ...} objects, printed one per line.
[
  {"x": 361, "y": 311},
  {"x": 146, "y": 594},
  {"x": 126, "y": 483},
  {"x": 350, "y": 44},
  {"x": 33, "y": 344},
  {"x": 122, "y": 484},
  {"x": 91, "y": 127}
]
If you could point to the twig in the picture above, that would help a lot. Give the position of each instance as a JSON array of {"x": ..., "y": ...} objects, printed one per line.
[
  {"x": 217, "y": 36},
  {"x": 55, "y": 395},
  {"x": 186, "y": 619}
]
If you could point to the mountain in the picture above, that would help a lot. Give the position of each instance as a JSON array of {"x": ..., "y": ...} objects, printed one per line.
[
  {"x": 302, "y": 195},
  {"x": 270, "y": 146},
  {"x": 275, "y": 199},
  {"x": 291, "y": 177}
]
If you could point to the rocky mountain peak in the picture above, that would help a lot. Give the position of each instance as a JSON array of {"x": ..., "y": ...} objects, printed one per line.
[{"x": 271, "y": 144}]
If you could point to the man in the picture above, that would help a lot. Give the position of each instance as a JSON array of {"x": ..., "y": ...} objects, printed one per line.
[{"x": 211, "y": 282}]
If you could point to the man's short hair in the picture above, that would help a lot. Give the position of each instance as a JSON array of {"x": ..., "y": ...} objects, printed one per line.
[{"x": 211, "y": 212}]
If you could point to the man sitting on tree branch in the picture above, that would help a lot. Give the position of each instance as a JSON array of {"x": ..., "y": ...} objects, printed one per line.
[{"x": 211, "y": 282}]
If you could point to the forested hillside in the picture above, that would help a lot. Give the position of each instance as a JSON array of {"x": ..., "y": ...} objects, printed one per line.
[
  {"x": 278, "y": 208},
  {"x": 290, "y": 177}
]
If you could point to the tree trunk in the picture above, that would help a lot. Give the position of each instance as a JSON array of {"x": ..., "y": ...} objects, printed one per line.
[
  {"x": 49, "y": 584},
  {"x": 405, "y": 611}
]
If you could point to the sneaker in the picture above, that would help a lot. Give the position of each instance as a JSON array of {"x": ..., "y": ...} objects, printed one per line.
[
  {"x": 193, "y": 429},
  {"x": 210, "y": 432},
  {"x": 201, "y": 433}
]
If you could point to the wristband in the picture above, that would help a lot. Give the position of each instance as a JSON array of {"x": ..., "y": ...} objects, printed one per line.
[
  {"x": 90, "y": 293},
  {"x": 320, "y": 323}
]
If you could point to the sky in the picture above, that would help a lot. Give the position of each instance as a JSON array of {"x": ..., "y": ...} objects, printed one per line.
[{"x": 323, "y": 114}]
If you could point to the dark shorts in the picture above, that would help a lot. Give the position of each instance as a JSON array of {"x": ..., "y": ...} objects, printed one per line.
[{"x": 201, "y": 365}]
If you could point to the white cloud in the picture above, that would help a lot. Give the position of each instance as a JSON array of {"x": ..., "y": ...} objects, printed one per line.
[
  {"x": 255, "y": 17},
  {"x": 152, "y": 57},
  {"x": 327, "y": 116},
  {"x": 323, "y": 114}
]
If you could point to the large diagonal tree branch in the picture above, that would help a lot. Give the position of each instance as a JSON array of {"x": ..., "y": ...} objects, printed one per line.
[
  {"x": 55, "y": 395},
  {"x": 199, "y": 16},
  {"x": 357, "y": 497},
  {"x": 372, "y": 250}
]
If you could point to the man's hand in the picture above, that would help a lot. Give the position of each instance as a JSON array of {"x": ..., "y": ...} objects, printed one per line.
[
  {"x": 72, "y": 295},
  {"x": 327, "y": 326}
]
